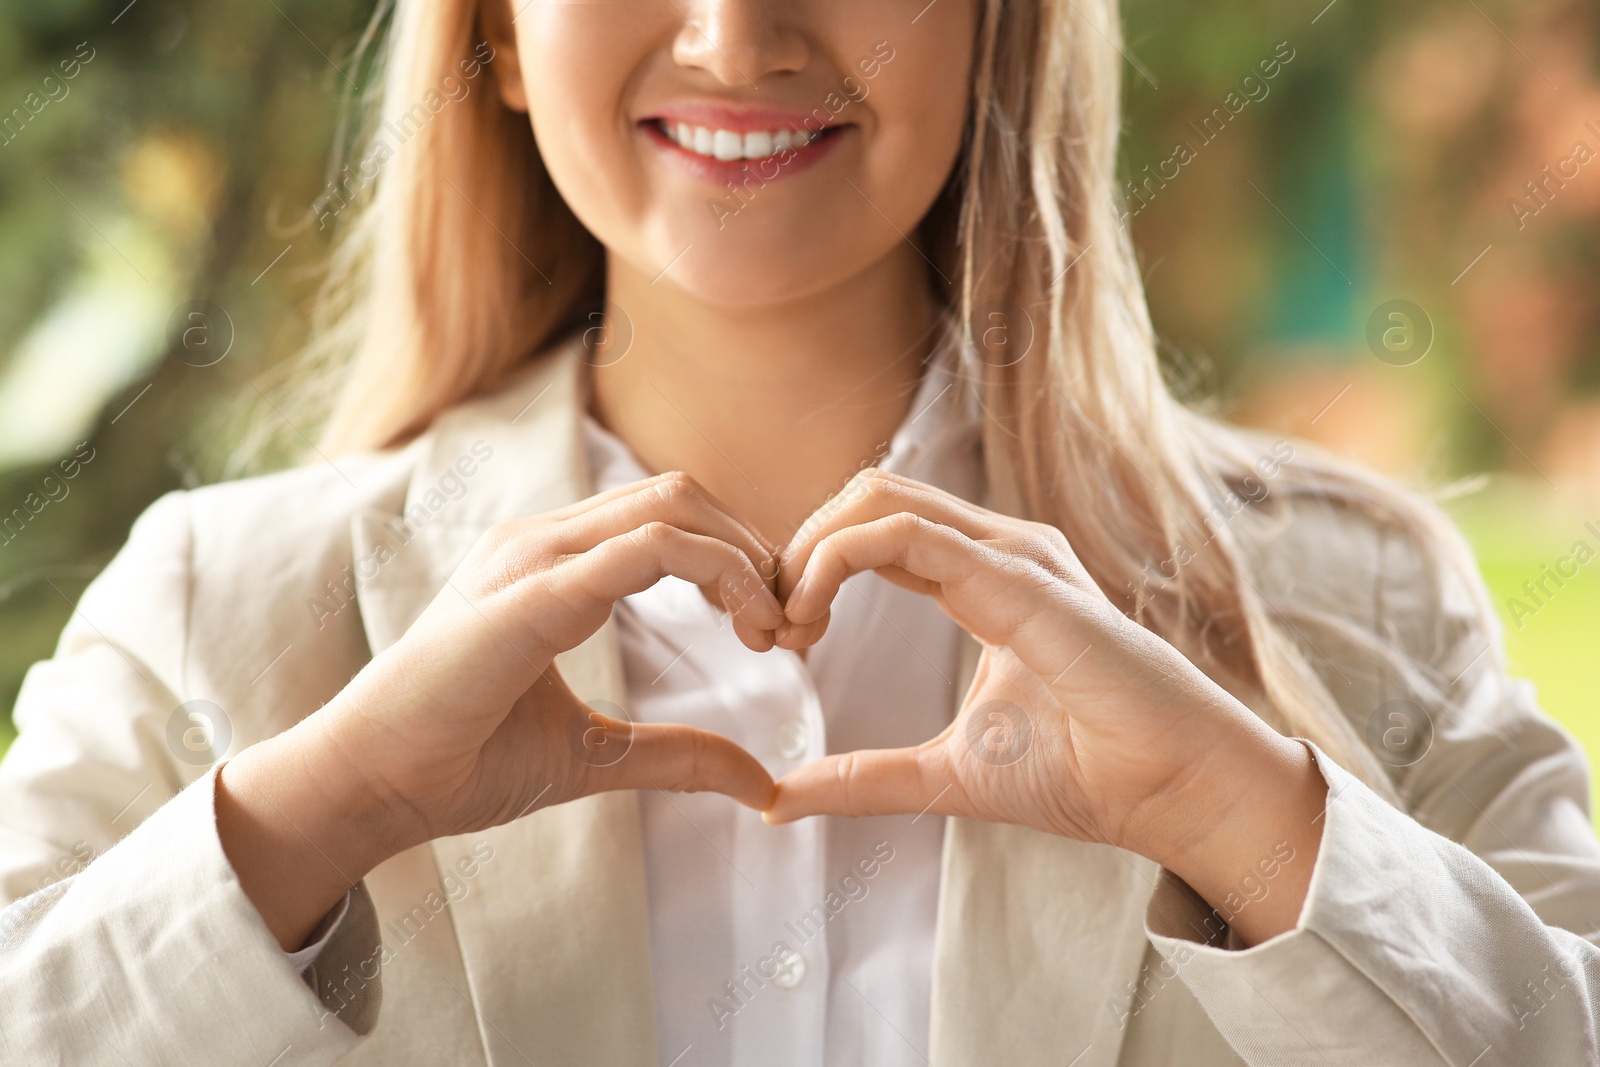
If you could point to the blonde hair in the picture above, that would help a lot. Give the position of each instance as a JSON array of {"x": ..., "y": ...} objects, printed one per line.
[{"x": 463, "y": 261}]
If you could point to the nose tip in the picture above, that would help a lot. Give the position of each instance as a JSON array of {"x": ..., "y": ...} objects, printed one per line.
[{"x": 739, "y": 42}]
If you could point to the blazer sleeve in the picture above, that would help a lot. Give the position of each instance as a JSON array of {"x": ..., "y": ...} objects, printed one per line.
[
  {"x": 125, "y": 936},
  {"x": 1462, "y": 931}
]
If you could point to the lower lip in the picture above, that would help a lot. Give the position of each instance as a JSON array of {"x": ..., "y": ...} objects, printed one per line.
[{"x": 722, "y": 171}]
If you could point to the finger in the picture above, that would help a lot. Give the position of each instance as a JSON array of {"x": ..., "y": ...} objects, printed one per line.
[
  {"x": 677, "y": 498},
  {"x": 605, "y": 496},
  {"x": 795, "y": 636},
  {"x": 644, "y": 486},
  {"x": 905, "y": 541},
  {"x": 875, "y": 494},
  {"x": 752, "y": 635},
  {"x": 673, "y": 497},
  {"x": 635, "y": 560},
  {"x": 884, "y": 781},
  {"x": 678, "y": 759}
]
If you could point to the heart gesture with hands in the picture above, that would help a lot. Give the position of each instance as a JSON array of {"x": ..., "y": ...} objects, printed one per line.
[{"x": 1078, "y": 721}]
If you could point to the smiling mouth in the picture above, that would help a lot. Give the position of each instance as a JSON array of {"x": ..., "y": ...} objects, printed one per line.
[{"x": 729, "y": 145}]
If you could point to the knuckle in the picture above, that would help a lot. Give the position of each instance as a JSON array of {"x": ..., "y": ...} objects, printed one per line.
[
  {"x": 676, "y": 488},
  {"x": 498, "y": 536},
  {"x": 826, "y": 553},
  {"x": 688, "y": 770},
  {"x": 653, "y": 534},
  {"x": 1039, "y": 544},
  {"x": 1034, "y": 549},
  {"x": 1050, "y": 534},
  {"x": 845, "y": 771},
  {"x": 736, "y": 565},
  {"x": 867, "y": 482},
  {"x": 504, "y": 554},
  {"x": 881, "y": 483},
  {"x": 699, "y": 756},
  {"x": 879, "y": 476},
  {"x": 930, "y": 761},
  {"x": 908, "y": 522},
  {"x": 740, "y": 593},
  {"x": 1049, "y": 548},
  {"x": 1017, "y": 568}
]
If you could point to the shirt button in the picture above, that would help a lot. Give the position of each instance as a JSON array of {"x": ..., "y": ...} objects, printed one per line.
[
  {"x": 792, "y": 739},
  {"x": 791, "y": 971}
]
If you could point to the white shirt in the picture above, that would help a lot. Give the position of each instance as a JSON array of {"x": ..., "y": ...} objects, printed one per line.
[{"x": 811, "y": 943}]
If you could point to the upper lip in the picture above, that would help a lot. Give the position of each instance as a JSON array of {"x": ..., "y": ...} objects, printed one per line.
[{"x": 737, "y": 118}]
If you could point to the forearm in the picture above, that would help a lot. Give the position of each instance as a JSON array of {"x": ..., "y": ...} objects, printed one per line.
[{"x": 299, "y": 827}]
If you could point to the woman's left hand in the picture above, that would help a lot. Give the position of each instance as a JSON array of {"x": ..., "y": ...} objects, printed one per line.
[{"x": 1078, "y": 722}]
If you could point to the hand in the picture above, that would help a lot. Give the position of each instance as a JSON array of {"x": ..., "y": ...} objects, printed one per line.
[
  {"x": 465, "y": 722},
  {"x": 1078, "y": 722}
]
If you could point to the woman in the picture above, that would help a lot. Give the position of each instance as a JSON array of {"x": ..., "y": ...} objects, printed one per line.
[{"x": 1147, "y": 741}]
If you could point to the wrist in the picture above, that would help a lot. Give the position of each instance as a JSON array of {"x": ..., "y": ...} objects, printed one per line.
[
  {"x": 374, "y": 820},
  {"x": 1254, "y": 810},
  {"x": 299, "y": 828}
]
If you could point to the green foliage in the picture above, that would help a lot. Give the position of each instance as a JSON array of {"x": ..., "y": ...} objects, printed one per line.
[{"x": 185, "y": 154}]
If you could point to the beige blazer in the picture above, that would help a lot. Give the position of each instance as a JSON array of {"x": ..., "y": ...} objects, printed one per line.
[{"x": 131, "y": 942}]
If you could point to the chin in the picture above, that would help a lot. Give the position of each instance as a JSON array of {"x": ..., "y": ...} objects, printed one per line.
[
  {"x": 730, "y": 287},
  {"x": 777, "y": 265}
]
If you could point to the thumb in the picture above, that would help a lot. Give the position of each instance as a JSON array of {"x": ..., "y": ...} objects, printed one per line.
[
  {"x": 883, "y": 781},
  {"x": 676, "y": 758}
]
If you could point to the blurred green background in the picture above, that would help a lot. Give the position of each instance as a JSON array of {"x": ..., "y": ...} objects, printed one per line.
[{"x": 1383, "y": 152}]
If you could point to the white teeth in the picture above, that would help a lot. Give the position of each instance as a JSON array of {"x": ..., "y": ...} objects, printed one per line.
[{"x": 727, "y": 145}]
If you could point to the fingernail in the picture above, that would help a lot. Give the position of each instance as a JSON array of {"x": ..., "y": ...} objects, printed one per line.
[{"x": 798, "y": 591}]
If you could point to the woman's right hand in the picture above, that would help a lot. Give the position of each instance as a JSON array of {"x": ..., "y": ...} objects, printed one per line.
[{"x": 465, "y": 723}]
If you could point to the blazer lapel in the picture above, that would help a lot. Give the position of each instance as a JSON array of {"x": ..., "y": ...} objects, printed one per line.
[
  {"x": 1040, "y": 940},
  {"x": 553, "y": 928},
  {"x": 1038, "y": 944}
]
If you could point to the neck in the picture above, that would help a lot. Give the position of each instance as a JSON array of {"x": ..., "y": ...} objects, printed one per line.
[{"x": 771, "y": 408}]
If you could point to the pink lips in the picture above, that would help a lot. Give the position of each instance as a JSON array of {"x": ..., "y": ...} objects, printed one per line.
[{"x": 740, "y": 172}]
